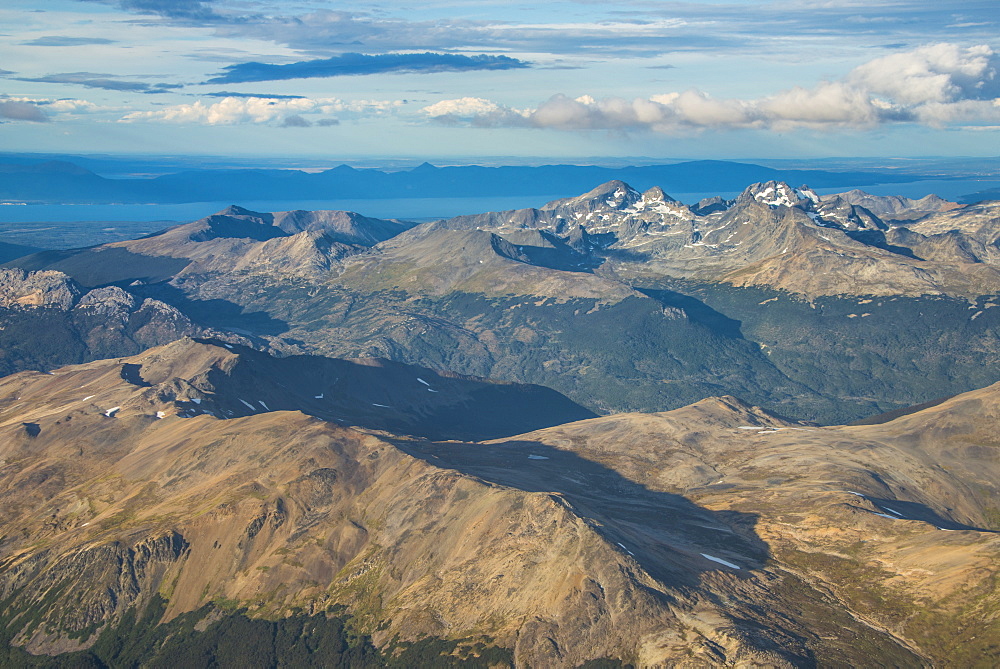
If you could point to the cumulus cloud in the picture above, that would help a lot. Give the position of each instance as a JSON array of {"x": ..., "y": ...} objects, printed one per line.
[
  {"x": 40, "y": 109},
  {"x": 357, "y": 63},
  {"x": 276, "y": 111},
  {"x": 477, "y": 111},
  {"x": 938, "y": 73},
  {"x": 228, "y": 111},
  {"x": 936, "y": 85},
  {"x": 939, "y": 115},
  {"x": 68, "y": 105},
  {"x": 829, "y": 104},
  {"x": 15, "y": 110},
  {"x": 661, "y": 113}
]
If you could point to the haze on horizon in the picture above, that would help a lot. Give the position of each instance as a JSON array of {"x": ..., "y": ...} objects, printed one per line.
[{"x": 465, "y": 79}]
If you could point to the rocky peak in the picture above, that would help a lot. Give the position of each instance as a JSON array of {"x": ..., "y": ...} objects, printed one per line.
[
  {"x": 847, "y": 216},
  {"x": 346, "y": 227},
  {"x": 236, "y": 210},
  {"x": 656, "y": 194},
  {"x": 711, "y": 205},
  {"x": 613, "y": 195},
  {"x": 235, "y": 222},
  {"x": 779, "y": 194},
  {"x": 893, "y": 207},
  {"x": 106, "y": 300}
]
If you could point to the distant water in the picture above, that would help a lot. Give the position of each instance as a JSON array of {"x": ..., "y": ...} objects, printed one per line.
[
  {"x": 411, "y": 208},
  {"x": 405, "y": 208}
]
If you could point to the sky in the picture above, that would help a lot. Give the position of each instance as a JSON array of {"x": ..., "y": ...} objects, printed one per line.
[{"x": 561, "y": 80}]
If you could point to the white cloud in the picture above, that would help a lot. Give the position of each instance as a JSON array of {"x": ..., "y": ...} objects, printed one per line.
[
  {"x": 939, "y": 115},
  {"x": 935, "y": 85},
  {"x": 462, "y": 107},
  {"x": 694, "y": 107},
  {"x": 936, "y": 73},
  {"x": 262, "y": 110},
  {"x": 46, "y": 106},
  {"x": 227, "y": 111},
  {"x": 829, "y": 104},
  {"x": 477, "y": 111},
  {"x": 71, "y": 106},
  {"x": 365, "y": 107}
]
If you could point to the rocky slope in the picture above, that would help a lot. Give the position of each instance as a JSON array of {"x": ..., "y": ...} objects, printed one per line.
[
  {"x": 896, "y": 523},
  {"x": 48, "y": 319},
  {"x": 712, "y": 534},
  {"x": 893, "y": 207}
]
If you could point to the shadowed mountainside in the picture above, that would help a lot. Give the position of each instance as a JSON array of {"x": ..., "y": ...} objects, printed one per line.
[{"x": 713, "y": 534}]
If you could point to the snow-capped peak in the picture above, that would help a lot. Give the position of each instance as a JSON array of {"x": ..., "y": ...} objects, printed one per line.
[{"x": 780, "y": 194}]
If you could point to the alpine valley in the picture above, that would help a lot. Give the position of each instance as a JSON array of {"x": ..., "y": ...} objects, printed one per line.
[{"x": 613, "y": 430}]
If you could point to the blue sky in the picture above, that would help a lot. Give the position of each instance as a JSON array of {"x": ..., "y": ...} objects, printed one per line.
[{"x": 461, "y": 79}]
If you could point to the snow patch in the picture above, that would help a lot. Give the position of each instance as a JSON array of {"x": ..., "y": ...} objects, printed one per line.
[
  {"x": 537, "y": 457},
  {"x": 807, "y": 194},
  {"x": 87, "y": 398},
  {"x": 318, "y": 397},
  {"x": 261, "y": 402},
  {"x": 422, "y": 381},
  {"x": 111, "y": 412},
  {"x": 776, "y": 197},
  {"x": 628, "y": 551},
  {"x": 161, "y": 414},
  {"x": 249, "y": 406},
  {"x": 719, "y": 560},
  {"x": 384, "y": 406}
]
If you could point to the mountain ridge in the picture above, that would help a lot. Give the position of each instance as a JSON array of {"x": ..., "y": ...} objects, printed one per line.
[{"x": 713, "y": 533}]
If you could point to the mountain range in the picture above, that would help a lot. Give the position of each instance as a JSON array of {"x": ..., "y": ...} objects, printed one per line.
[
  {"x": 614, "y": 429},
  {"x": 818, "y": 308},
  {"x": 62, "y": 181}
]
